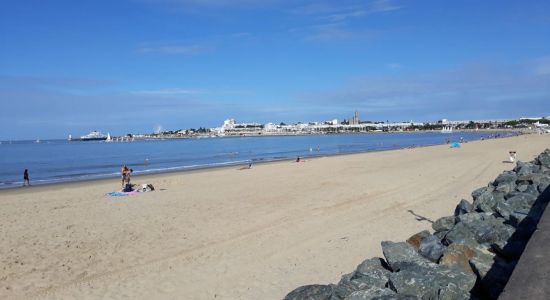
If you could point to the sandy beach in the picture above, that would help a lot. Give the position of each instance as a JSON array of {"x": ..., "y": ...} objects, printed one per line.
[{"x": 235, "y": 234}]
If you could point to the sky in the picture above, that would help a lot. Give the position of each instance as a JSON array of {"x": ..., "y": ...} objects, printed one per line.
[{"x": 134, "y": 66}]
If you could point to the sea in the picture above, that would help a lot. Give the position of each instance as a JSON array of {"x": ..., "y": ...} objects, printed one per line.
[{"x": 53, "y": 161}]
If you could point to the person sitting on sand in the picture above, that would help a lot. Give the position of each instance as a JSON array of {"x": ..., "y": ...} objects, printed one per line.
[
  {"x": 298, "y": 159},
  {"x": 512, "y": 156}
]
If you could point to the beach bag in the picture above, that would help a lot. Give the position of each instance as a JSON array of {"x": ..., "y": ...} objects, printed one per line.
[{"x": 127, "y": 188}]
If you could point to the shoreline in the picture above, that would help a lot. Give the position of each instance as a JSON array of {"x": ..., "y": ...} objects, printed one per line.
[{"x": 185, "y": 169}]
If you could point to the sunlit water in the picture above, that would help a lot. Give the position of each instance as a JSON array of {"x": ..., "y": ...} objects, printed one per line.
[{"x": 59, "y": 160}]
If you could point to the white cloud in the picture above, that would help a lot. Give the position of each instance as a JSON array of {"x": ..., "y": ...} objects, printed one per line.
[
  {"x": 329, "y": 11},
  {"x": 472, "y": 91}
]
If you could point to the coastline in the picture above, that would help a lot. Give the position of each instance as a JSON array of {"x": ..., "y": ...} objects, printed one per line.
[
  {"x": 228, "y": 234},
  {"x": 177, "y": 169}
]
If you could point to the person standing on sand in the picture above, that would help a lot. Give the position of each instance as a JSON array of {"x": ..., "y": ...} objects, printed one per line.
[
  {"x": 26, "y": 180},
  {"x": 123, "y": 173}
]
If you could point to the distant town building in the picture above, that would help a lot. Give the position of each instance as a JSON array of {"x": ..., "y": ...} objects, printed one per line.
[{"x": 355, "y": 119}]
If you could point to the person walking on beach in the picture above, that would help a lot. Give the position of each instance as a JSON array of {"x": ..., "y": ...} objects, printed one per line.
[{"x": 26, "y": 181}]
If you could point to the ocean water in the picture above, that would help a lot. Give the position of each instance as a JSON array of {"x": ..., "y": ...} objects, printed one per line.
[{"x": 53, "y": 161}]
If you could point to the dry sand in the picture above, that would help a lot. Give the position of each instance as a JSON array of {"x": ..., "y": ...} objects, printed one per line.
[{"x": 235, "y": 234}]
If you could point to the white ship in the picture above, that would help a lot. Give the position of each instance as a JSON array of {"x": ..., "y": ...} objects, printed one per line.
[{"x": 93, "y": 136}]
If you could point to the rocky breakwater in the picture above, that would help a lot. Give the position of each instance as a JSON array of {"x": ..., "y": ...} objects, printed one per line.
[{"x": 469, "y": 255}]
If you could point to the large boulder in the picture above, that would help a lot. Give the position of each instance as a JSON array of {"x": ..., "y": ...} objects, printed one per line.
[
  {"x": 487, "y": 201},
  {"x": 523, "y": 168},
  {"x": 431, "y": 248},
  {"x": 416, "y": 238},
  {"x": 427, "y": 282},
  {"x": 371, "y": 273},
  {"x": 534, "y": 178},
  {"x": 505, "y": 177},
  {"x": 399, "y": 255},
  {"x": 312, "y": 292},
  {"x": 370, "y": 265},
  {"x": 458, "y": 256},
  {"x": 544, "y": 158},
  {"x": 476, "y": 193},
  {"x": 479, "y": 228},
  {"x": 444, "y": 224},
  {"x": 348, "y": 284},
  {"x": 516, "y": 208},
  {"x": 371, "y": 293},
  {"x": 463, "y": 207}
]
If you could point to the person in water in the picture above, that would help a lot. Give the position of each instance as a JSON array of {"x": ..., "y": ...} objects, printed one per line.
[{"x": 26, "y": 181}]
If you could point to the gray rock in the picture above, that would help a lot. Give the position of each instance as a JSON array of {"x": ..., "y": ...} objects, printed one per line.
[
  {"x": 431, "y": 248},
  {"x": 543, "y": 186},
  {"x": 370, "y": 294},
  {"x": 371, "y": 273},
  {"x": 526, "y": 188},
  {"x": 427, "y": 282},
  {"x": 534, "y": 178},
  {"x": 505, "y": 177},
  {"x": 458, "y": 256},
  {"x": 444, "y": 224},
  {"x": 399, "y": 255},
  {"x": 476, "y": 193},
  {"x": 516, "y": 208},
  {"x": 479, "y": 228},
  {"x": 524, "y": 168},
  {"x": 396, "y": 297},
  {"x": 440, "y": 235},
  {"x": 370, "y": 265},
  {"x": 532, "y": 189},
  {"x": 311, "y": 292},
  {"x": 463, "y": 207},
  {"x": 453, "y": 292},
  {"x": 544, "y": 158},
  {"x": 527, "y": 198},
  {"x": 460, "y": 234},
  {"x": 348, "y": 285},
  {"x": 415, "y": 239},
  {"x": 506, "y": 187},
  {"x": 487, "y": 201},
  {"x": 522, "y": 187}
]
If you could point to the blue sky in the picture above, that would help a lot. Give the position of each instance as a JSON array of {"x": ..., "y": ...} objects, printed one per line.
[{"x": 69, "y": 67}]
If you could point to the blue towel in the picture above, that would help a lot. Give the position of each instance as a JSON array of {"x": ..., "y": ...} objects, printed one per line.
[
  {"x": 455, "y": 145},
  {"x": 116, "y": 194}
]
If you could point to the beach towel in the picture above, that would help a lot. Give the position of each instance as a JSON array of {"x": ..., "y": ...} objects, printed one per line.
[{"x": 121, "y": 194}]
